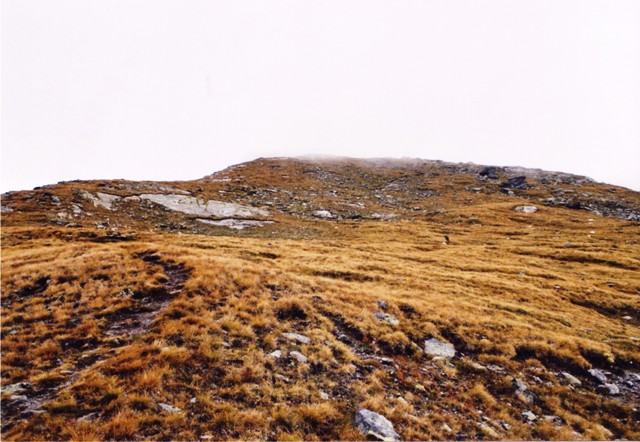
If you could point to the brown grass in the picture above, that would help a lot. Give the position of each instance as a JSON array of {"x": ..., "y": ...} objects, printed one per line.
[{"x": 505, "y": 291}]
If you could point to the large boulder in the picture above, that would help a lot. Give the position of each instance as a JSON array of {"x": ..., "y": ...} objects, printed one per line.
[{"x": 376, "y": 425}]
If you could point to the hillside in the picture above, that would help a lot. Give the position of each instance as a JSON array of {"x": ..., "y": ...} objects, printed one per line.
[{"x": 278, "y": 298}]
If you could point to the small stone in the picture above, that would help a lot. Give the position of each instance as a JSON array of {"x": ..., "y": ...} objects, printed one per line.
[
  {"x": 476, "y": 366},
  {"x": 169, "y": 408},
  {"x": 526, "y": 209},
  {"x": 275, "y": 354},
  {"x": 627, "y": 318},
  {"x": 296, "y": 337},
  {"x": 324, "y": 214},
  {"x": 420, "y": 388},
  {"x": 446, "y": 428},
  {"x": 598, "y": 375},
  {"x": 16, "y": 389},
  {"x": 383, "y": 305},
  {"x": 88, "y": 417},
  {"x": 298, "y": 356},
  {"x": 282, "y": 378},
  {"x": 489, "y": 432},
  {"x": 434, "y": 347},
  {"x": 553, "y": 419},
  {"x": 609, "y": 389},
  {"x": 522, "y": 391},
  {"x": 193, "y": 400},
  {"x": 571, "y": 380},
  {"x": 529, "y": 416},
  {"x": 324, "y": 396},
  {"x": 376, "y": 425},
  {"x": 495, "y": 368},
  {"x": 385, "y": 317}
]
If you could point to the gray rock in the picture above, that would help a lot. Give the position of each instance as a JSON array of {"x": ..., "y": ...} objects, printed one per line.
[
  {"x": 488, "y": 431},
  {"x": 554, "y": 419},
  {"x": 195, "y": 206},
  {"x": 324, "y": 214},
  {"x": 275, "y": 354},
  {"x": 435, "y": 347},
  {"x": 298, "y": 356},
  {"x": 236, "y": 224},
  {"x": 88, "y": 417},
  {"x": 529, "y": 416},
  {"x": 598, "y": 375},
  {"x": 383, "y": 305},
  {"x": 476, "y": 366},
  {"x": 376, "y": 425},
  {"x": 489, "y": 172},
  {"x": 18, "y": 388},
  {"x": 385, "y": 317},
  {"x": 296, "y": 337},
  {"x": 324, "y": 396},
  {"x": 104, "y": 200},
  {"x": 526, "y": 209},
  {"x": 169, "y": 408},
  {"x": 522, "y": 391},
  {"x": 5, "y": 209},
  {"x": 519, "y": 182},
  {"x": 282, "y": 378},
  {"x": 571, "y": 380},
  {"x": 609, "y": 389}
]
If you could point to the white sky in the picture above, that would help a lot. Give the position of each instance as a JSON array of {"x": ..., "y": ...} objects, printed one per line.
[{"x": 172, "y": 90}]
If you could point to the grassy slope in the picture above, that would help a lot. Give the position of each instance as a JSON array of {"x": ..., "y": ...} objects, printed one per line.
[{"x": 535, "y": 294}]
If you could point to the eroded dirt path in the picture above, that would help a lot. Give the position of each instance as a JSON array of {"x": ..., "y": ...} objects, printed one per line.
[
  {"x": 138, "y": 321},
  {"x": 124, "y": 326}
]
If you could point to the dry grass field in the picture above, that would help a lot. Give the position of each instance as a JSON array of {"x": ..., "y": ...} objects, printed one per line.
[{"x": 139, "y": 322}]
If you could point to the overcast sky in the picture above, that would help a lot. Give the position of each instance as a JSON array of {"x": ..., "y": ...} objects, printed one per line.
[{"x": 171, "y": 90}]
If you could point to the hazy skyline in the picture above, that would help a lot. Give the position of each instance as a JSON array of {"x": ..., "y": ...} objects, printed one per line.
[{"x": 174, "y": 90}]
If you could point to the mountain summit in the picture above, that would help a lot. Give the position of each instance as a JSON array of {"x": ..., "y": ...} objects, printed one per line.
[{"x": 323, "y": 298}]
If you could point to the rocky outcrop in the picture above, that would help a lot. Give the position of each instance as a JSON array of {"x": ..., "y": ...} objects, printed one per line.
[
  {"x": 104, "y": 200},
  {"x": 194, "y": 206}
]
